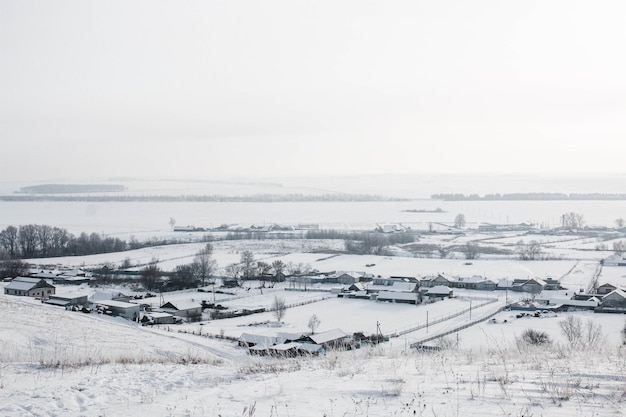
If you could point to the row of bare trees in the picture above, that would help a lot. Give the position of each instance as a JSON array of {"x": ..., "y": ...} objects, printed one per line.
[
  {"x": 248, "y": 268},
  {"x": 200, "y": 272},
  {"x": 42, "y": 241}
]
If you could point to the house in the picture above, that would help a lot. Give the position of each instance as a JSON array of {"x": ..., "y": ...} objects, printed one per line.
[
  {"x": 475, "y": 282},
  {"x": 614, "y": 260},
  {"x": 256, "y": 340},
  {"x": 190, "y": 310},
  {"x": 30, "y": 287},
  {"x": 348, "y": 278},
  {"x": 566, "y": 304},
  {"x": 533, "y": 285},
  {"x": 615, "y": 299},
  {"x": 330, "y": 339},
  {"x": 156, "y": 317},
  {"x": 439, "y": 291},
  {"x": 356, "y": 287},
  {"x": 123, "y": 309},
  {"x": 399, "y": 297},
  {"x": 440, "y": 279},
  {"x": 604, "y": 289},
  {"x": 552, "y": 284}
]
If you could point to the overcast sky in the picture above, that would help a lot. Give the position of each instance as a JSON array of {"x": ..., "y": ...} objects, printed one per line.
[{"x": 267, "y": 88}]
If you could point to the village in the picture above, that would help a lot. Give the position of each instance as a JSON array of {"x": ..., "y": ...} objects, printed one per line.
[{"x": 210, "y": 306}]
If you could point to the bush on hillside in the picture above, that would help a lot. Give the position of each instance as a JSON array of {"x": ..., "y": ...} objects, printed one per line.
[{"x": 535, "y": 337}]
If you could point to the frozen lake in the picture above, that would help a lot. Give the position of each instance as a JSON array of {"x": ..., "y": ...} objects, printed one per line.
[{"x": 149, "y": 217}]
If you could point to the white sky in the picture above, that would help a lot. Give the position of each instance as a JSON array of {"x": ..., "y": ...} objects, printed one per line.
[{"x": 222, "y": 88}]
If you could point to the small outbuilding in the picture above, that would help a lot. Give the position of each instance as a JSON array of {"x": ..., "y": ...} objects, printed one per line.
[
  {"x": 439, "y": 291},
  {"x": 189, "y": 310},
  {"x": 65, "y": 301},
  {"x": 159, "y": 318},
  {"x": 129, "y": 311}
]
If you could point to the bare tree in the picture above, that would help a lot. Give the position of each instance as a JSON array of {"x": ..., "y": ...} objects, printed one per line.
[
  {"x": 278, "y": 267},
  {"x": 126, "y": 263},
  {"x": 459, "y": 221},
  {"x": 11, "y": 268},
  {"x": 151, "y": 275},
  {"x": 619, "y": 247},
  {"x": 234, "y": 271},
  {"x": 28, "y": 240},
  {"x": 471, "y": 250},
  {"x": 9, "y": 241},
  {"x": 577, "y": 334},
  {"x": 593, "y": 334},
  {"x": 172, "y": 222},
  {"x": 184, "y": 277},
  {"x": 314, "y": 322},
  {"x": 298, "y": 269},
  {"x": 44, "y": 235},
  {"x": 203, "y": 265},
  {"x": 248, "y": 264},
  {"x": 572, "y": 220},
  {"x": 572, "y": 329},
  {"x": 528, "y": 251},
  {"x": 263, "y": 269},
  {"x": 619, "y": 223},
  {"x": 279, "y": 307}
]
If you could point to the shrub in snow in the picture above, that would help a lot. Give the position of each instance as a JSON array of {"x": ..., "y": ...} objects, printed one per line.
[{"x": 535, "y": 338}]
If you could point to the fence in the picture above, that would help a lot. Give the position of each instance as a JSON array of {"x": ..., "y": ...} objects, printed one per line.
[
  {"x": 456, "y": 329},
  {"x": 442, "y": 319}
]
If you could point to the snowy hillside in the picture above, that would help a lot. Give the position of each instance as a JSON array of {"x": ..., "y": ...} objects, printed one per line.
[{"x": 59, "y": 363}]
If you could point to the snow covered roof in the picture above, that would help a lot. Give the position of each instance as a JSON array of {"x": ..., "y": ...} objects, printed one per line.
[
  {"x": 26, "y": 279},
  {"x": 285, "y": 346},
  {"x": 400, "y": 286},
  {"x": 310, "y": 347},
  {"x": 439, "y": 289},
  {"x": 397, "y": 295},
  {"x": 118, "y": 304},
  {"x": 25, "y": 283},
  {"x": 102, "y": 295},
  {"x": 159, "y": 315},
  {"x": 328, "y": 336},
  {"x": 616, "y": 292},
  {"x": 182, "y": 305},
  {"x": 18, "y": 285}
]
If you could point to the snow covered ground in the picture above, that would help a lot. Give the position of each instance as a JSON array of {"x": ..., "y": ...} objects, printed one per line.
[{"x": 59, "y": 363}]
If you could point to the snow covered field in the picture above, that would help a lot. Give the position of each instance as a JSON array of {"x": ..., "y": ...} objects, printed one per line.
[{"x": 60, "y": 363}]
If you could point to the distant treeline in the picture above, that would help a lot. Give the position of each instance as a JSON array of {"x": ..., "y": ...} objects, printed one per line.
[
  {"x": 71, "y": 188},
  {"x": 528, "y": 196},
  {"x": 259, "y": 198},
  {"x": 43, "y": 241},
  {"x": 362, "y": 243}
]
